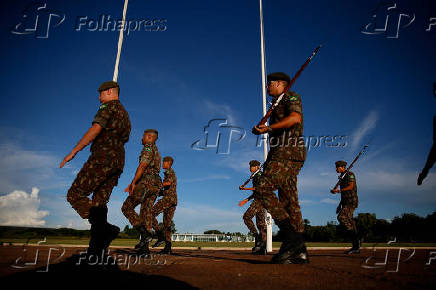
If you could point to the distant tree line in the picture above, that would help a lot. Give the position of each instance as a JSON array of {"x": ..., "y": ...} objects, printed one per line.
[{"x": 407, "y": 228}]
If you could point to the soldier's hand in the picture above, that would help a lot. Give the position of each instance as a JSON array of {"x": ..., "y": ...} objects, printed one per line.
[
  {"x": 259, "y": 130},
  {"x": 67, "y": 158},
  {"x": 130, "y": 188},
  {"x": 241, "y": 187},
  {"x": 333, "y": 191}
]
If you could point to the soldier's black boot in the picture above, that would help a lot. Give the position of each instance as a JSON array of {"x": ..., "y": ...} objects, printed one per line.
[
  {"x": 144, "y": 237},
  {"x": 96, "y": 243},
  {"x": 257, "y": 241},
  {"x": 160, "y": 239},
  {"x": 261, "y": 250},
  {"x": 167, "y": 249},
  {"x": 144, "y": 249},
  {"x": 292, "y": 244},
  {"x": 356, "y": 244}
]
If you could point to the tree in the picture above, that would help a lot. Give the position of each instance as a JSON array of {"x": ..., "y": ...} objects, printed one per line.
[{"x": 209, "y": 232}]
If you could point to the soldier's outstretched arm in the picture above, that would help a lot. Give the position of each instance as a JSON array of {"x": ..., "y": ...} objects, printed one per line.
[
  {"x": 139, "y": 171},
  {"x": 89, "y": 136}
]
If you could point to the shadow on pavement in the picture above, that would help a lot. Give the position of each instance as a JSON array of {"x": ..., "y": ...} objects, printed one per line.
[{"x": 82, "y": 275}]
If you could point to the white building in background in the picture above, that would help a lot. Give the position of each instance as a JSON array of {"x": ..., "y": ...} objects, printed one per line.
[{"x": 209, "y": 238}]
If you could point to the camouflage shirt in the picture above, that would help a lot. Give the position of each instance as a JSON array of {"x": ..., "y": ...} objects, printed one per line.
[
  {"x": 288, "y": 143},
  {"x": 170, "y": 176},
  {"x": 256, "y": 182},
  {"x": 108, "y": 146},
  {"x": 349, "y": 197},
  {"x": 151, "y": 156}
]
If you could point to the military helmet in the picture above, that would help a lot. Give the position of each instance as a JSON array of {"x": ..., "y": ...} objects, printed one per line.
[
  {"x": 341, "y": 163},
  {"x": 168, "y": 159},
  {"x": 254, "y": 163},
  {"x": 107, "y": 85}
]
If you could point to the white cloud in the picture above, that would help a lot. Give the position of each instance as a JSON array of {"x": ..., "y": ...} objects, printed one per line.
[
  {"x": 19, "y": 208},
  {"x": 329, "y": 201},
  {"x": 365, "y": 127},
  {"x": 219, "y": 111},
  {"x": 206, "y": 178},
  {"x": 21, "y": 168}
]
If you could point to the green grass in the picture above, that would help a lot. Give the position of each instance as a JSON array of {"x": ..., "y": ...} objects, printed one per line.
[{"x": 132, "y": 242}]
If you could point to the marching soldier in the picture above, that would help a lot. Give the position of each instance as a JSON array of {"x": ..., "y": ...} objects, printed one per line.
[
  {"x": 285, "y": 159},
  {"x": 257, "y": 210},
  {"x": 347, "y": 206},
  {"x": 99, "y": 175},
  {"x": 167, "y": 205},
  {"x": 143, "y": 190}
]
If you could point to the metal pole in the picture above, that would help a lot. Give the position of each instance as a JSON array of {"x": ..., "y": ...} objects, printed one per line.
[
  {"x": 265, "y": 140},
  {"x": 120, "y": 42}
]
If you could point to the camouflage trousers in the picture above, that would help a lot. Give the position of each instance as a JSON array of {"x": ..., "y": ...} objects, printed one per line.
[
  {"x": 281, "y": 176},
  {"x": 96, "y": 179},
  {"x": 257, "y": 210},
  {"x": 167, "y": 206},
  {"x": 345, "y": 217},
  {"x": 144, "y": 194}
]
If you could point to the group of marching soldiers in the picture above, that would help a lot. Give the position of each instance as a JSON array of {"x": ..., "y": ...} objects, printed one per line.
[
  {"x": 110, "y": 131},
  {"x": 99, "y": 175}
]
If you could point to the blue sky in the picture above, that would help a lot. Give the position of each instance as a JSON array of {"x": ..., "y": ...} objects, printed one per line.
[{"x": 206, "y": 65}]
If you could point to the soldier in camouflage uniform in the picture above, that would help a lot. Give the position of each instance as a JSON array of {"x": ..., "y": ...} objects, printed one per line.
[
  {"x": 143, "y": 190},
  {"x": 99, "y": 175},
  {"x": 285, "y": 159},
  {"x": 431, "y": 159},
  {"x": 166, "y": 205},
  {"x": 256, "y": 209},
  {"x": 348, "y": 204}
]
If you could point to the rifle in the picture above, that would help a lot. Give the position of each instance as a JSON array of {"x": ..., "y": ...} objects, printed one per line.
[
  {"x": 348, "y": 169},
  {"x": 242, "y": 202},
  {"x": 271, "y": 109}
]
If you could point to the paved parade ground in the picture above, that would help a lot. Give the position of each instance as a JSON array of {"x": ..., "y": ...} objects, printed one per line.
[{"x": 404, "y": 268}]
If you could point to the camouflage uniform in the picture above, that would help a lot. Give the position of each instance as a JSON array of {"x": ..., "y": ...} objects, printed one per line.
[
  {"x": 146, "y": 189},
  {"x": 257, "y": 210},
  {"x": 99, "y": 175},
  {"x": 349, "y": 203},
  {"x": 167, "y": 204},
  {"x": 285, "y": 159}
]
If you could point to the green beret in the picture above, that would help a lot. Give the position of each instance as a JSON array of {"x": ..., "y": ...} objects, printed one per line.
[
  {"x": 168, "y": 159},
  {"x": 278, "y": 76},
  {"x": 151, "y": 131},
  {"x": 254, "y": 163},
  {"x": 108, "y": 85},
  {"x": 340, "y": 163}
]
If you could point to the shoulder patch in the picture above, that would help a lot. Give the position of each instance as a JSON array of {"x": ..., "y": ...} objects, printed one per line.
[
  {"x": 293, "y": 98},
  {"x": 102, "y": 106}
]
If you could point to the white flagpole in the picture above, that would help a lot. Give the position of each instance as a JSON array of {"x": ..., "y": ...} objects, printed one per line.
[
  {"x": 265, "y": 140},
  {"x": 120, "y": 42}
]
